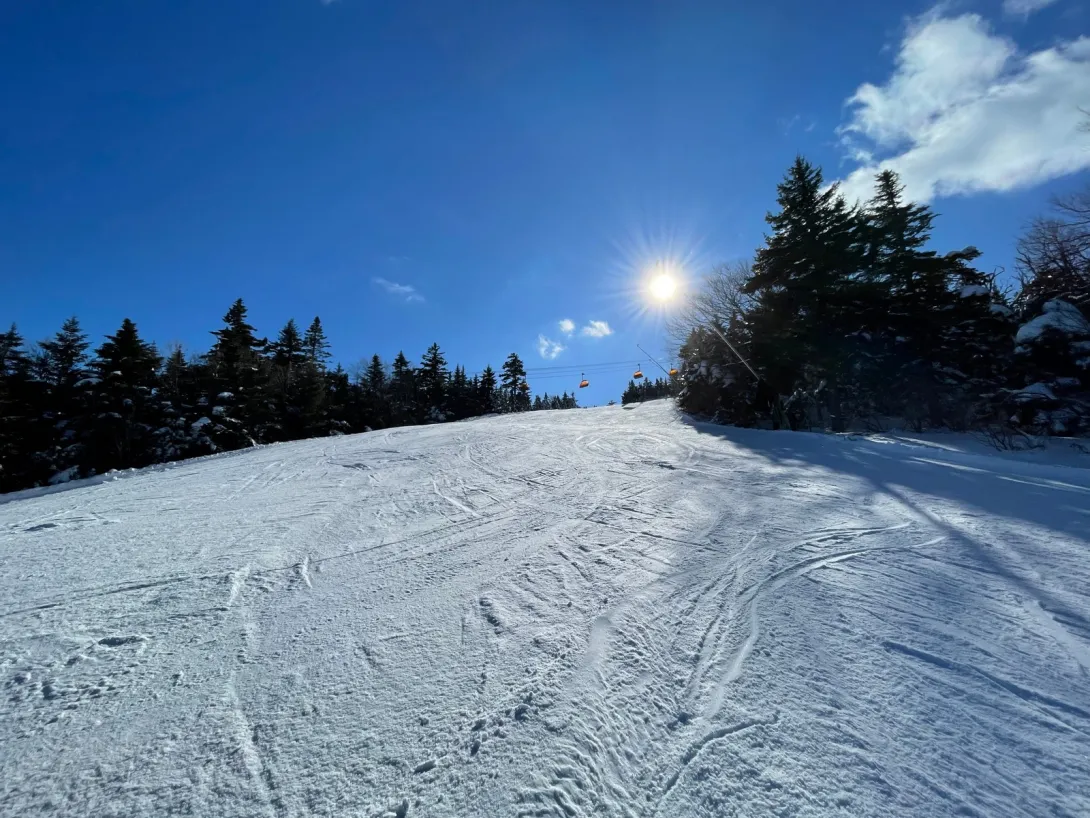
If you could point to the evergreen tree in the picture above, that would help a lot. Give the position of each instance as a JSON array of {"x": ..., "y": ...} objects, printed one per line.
[
  {"x": 19, "y": 398},
  {"x": 342, "y": 404},
  {"x": 315, "y": 344},
  {"x": 376, "y": 398},
  {"x": 13, "y": 358},
  {"x": 65, "y": 355},
  {"x": 473, "y": 396},
  {"x": 238, "y": 382},
  {"x": 179, "y": 396},
  {"x": 375, "y": 377},
  {"x": 487, "y": 392},
  {"x": 432, "y": 385},
  {"x": 938, "y": 332},
  {"x": 125, "y": 414},
  {"x": 58, "y": 431},
  {"x": 459, "y": 397},
  {"x": 805, "y": 283},
  {"x": 287, "y": 360},
  {"x": 288, "y": 351},
  {"x": 513, "y": 386},
  {"x": 403, "y": 401}
]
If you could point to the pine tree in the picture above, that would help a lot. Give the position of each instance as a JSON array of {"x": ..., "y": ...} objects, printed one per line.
[
  {"x": 459, "y": 403},
  {"x": 375, "y": 377},
  {"x": 487, "y": 392},
  {"x": 18, "y": 394},
  {"x": 805, "y": 282},
  {"x": 58, "y": 431},
  {"x": 315, "y": 344},
  {"x": 288, "y": 352},
  {"x": 376, "y": 398},
  {"x": 298, "y": 387},
  {"x": 403, "y": 393},
  {"x": 125, "y": 415},
  {"x": 65, "y": 355},
  {"x": 342, "y": 404},
  {"x": 432, "y": 384},
  {"x": 939, "y": 333},
  {"x": 473, "y": 396},
  {"x": 238, "y": 382},
  {"x": 513, "y": 385},
  {"x": 180, "y": 386}
]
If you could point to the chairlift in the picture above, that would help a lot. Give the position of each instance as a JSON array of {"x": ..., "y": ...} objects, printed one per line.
[
  {"x": 583, "y": 382},
  {"x": 673, "y": 371},
  {"x": 637, "y": 374},
  {"x": 525, "y": 387}
]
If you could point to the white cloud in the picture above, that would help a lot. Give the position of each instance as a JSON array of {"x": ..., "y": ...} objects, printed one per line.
[
  {"x": 392, "y": 287},
  {"x": 1024, "y": 8},
  {"x": 567, "y": 326},
  {"x": 547, "y": 348},
  {"x": 787, "y": 124},
  {"x": 966, "y": 112},
  {"x": 597, "y": 329}
]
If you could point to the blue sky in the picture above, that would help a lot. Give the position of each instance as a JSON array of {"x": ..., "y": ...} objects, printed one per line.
[{"x": 475, "y": 173}]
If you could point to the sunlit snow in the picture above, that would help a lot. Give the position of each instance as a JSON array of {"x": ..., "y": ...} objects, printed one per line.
[{"x": 610, "y": 612}]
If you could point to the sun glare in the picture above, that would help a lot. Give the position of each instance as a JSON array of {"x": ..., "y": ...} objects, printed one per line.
[{"x": 662, "y": 287}]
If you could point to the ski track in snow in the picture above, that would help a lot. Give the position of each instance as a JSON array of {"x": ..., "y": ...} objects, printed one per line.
[{"x": 610, "y": 612}]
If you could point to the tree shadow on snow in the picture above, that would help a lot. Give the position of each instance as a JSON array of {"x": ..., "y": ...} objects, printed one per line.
[{"x": 1051, "y": 497}]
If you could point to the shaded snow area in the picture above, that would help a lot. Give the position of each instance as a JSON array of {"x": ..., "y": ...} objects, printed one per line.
[{"x": 608, "y": 612}]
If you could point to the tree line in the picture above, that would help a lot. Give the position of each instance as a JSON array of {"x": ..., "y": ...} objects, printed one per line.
[
  {"x": 67, "y": 411},
  {"x": 848, "y": 318},
  {"x": 647, "y": 389}
]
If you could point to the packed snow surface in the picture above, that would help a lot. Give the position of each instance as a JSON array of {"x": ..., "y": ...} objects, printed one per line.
[{"x": 610, "y": 612}]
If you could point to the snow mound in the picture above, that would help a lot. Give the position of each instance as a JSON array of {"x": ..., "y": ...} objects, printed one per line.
[{"x": 601, "y": 613}]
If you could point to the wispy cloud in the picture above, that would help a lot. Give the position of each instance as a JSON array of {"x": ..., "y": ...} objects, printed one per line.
[
  {"x": 1024, "y": 8},
  {"x": 567, "y": 326},
  {"x": 597, "y": 329},
  {"x": 548, "y": 348},
  {"x": 407, "y": 291},
  {"x": 966, "y": 111}
]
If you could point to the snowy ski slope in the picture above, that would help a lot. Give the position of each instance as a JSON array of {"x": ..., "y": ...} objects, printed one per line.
[{"x": 608, "y": 612}]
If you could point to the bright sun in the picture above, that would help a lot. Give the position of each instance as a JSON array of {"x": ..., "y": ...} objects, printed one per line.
[{"x": 662, "y": 287}]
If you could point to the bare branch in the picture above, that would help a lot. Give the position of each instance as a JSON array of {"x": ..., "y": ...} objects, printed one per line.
[{"x": 718, "y": 299}]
